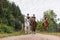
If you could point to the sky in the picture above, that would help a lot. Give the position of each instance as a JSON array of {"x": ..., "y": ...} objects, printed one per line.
[{"x": 38, "y": 7}]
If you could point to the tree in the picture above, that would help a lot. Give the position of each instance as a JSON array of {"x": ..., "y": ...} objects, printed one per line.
[{"x": 11, "y": 15}]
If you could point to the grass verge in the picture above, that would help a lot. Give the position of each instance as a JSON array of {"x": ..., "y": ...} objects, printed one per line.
[
  {"x": 11, "y": 34},
  {"x": 50, "y": 33}
]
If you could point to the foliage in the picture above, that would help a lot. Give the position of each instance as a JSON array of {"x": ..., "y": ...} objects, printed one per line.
[
  {"x": 6, "y": 29},
  {"x": 39, "y": 26},
  {"x": 11, "y": 15},
  {"x": 11, "y": 34}
]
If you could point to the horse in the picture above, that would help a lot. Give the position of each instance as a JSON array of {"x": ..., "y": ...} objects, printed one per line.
[
  {"x": 27, "y": 25},
  {"x": 45, "y": 24},
  {"x": 33, "y": 25}
]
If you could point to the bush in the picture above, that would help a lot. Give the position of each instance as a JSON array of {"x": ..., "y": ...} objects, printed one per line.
[
  {"x": 40, "y": 27},
  {"x": 6, "y": 29},
  {"x": 52, "y": 28},
  {"x": 18, "y": 26}
]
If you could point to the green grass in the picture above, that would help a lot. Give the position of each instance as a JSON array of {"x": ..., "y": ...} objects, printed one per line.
[
  {"x": 11, "y": 34},
  {"x": 50, "y": 33},
  {"x": 22, "y": 33}
]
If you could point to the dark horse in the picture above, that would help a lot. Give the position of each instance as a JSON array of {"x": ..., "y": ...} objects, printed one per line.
[
  {"x": 45, "y": 23},
  {"x": 33, "y": 24}
]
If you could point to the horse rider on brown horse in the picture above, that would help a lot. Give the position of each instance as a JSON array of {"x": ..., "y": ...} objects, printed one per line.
[
  {"x": 33, "y": 24},
  {"x": 45, "y": 23}
]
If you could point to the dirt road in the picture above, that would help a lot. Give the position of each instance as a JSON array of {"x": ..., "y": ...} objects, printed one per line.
[{"x": 32, "y": 37}]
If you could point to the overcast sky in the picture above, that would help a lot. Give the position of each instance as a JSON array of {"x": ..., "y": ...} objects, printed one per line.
[{"x": 37, "y": 7}]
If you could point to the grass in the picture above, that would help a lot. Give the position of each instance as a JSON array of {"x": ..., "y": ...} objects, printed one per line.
[
  {"x": 22, "y": 33},
  {"x": 11, "y": 34},
  {"x": 50, "y": 33}
]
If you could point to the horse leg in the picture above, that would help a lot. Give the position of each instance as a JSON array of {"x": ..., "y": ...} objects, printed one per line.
[
  {"x": 25, "y": 29},
  {"x": 34, "y": 30},
  {"x": 28, "y": 29},
  {"x": 45, "y": 28},
  {"x": 31, "y": 29}
]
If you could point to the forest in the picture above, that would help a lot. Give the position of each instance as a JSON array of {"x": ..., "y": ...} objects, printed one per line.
[{"x": 11, "y": 18}]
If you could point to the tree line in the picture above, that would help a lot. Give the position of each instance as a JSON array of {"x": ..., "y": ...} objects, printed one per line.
[{"x": 10, "y": 17}]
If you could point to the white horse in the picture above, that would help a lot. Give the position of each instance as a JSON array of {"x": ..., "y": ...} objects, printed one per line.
[{"x": 27, "y": 25}]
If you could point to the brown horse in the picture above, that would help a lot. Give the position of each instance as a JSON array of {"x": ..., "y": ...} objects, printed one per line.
[
  {"x": 45, "y": 23},
  {"x": 33, "y": 24}
]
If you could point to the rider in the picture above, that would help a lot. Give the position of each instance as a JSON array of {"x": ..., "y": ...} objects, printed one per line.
[{"x": 45, "y": 18}]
